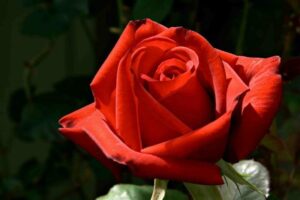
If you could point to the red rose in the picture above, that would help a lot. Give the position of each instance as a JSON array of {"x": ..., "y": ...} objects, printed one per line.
[{"x": 168, "y": 105}]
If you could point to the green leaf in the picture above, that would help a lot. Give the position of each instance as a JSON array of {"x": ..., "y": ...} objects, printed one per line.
[
  {"x": 71, "y": 7},
  {"x": 45, "y": 23},
  {"x": 229, "y": 171},
  {"x": 155, "y": 9},
  {"x": 11, "y": 186},
  {"x": 199, "y": 192},
  {"x": 277, "y": 145},
  {"x": 273, "y": 142},
  {"x": 248, "y": 180},
  {"x": 293, "y": 194},
  {"x": 134, "y": 192},
  {"x": 54, "y": 19},
  {"x": 39, "y": 119},
  {"x": 30, "y": 172},
  {"x": 159, "y": 190}
]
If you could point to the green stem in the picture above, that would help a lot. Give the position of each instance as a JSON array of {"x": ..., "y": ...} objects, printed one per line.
[
  {"x": 159, "y": 189},
  {"x": 243, "y": 25}
]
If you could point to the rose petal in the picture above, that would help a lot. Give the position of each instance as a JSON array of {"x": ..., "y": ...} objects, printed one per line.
[
  {"x": 147, "y": 28},
  {"x": 170, "y": 92},
  {"x": 207, "y": 143},
  {"x": 229, "y": 58},
  {"x": 104, "y": 83},
  {"x": 71, "y": 129},
  {"x": 156, "y": 122},
  {"x": 160, "y": 42},
  {"x": 211, "y": 69},
  {"x": 236, "y": 86},
  {"x": 144, "y": 165},
  {"x": 255, "y": 68},
  {"x": 169, "y": 67},
  {"x": 127, "y": 124},
  {"x": 146, "y": 58},
  {"x": 258, "y": 107},
  {"x": 185, "y": 97}
]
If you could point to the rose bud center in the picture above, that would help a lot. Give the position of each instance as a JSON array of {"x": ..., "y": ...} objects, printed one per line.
[{"x": 172, "y": 78}]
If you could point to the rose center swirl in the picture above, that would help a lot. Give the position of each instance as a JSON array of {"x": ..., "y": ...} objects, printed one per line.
[{"x": 169, "y": 75}]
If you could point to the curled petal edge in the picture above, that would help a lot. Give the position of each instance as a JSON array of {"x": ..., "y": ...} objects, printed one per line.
[{"x": 93, "y": 124}]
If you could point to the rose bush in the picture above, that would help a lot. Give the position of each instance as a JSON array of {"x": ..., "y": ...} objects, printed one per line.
[{"x": 169, "y": 105}]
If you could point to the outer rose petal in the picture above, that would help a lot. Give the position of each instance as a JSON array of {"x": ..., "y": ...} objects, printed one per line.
[
  {"x": 258, "y": 106},
  {"x": 79, "y": 137},
  {"x": 92, "y": 122},
  {"x": 207, "y": 143}
]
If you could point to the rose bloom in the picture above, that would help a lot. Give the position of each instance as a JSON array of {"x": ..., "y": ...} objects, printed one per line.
[{"x": 168, "y": 105}]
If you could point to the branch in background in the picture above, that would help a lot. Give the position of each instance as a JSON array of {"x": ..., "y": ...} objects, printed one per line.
[
  {"x": 31, "y": 64},
  {"x": 122, "y": 18},
  {"x": 243, "y": 25}
]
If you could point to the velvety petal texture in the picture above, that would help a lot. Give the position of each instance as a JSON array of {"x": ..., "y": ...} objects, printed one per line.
[
  {"x": 169, "y": 105},
  {"x": 92, "y": 122},
  {"x": 258, "y": 106}
]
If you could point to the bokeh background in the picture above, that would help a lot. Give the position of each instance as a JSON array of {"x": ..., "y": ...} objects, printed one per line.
[{"x": 50, "y": 50}]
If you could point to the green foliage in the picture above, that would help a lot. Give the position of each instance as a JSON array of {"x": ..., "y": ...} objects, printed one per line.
[
  {"x": 199, "y": 192},
  {"x": 236, "y": 175},
  {"x": 134, "y": 192},
  {"x": 154, "y": 9},
  {"x": 245, "y": 180},
  {"x": 45, "y": 23},
  {"x": 293, "y": 195},
  {"x": 11, "y": 187},
  {"x": 71, "y": 7},
  {"x": 38, "y": 119},
  {"x": 53, "y": 18},
  {"x": 256, "y": 182},
  {"x": 261, "y": 38},
  {"x": 30, "y": 172}
]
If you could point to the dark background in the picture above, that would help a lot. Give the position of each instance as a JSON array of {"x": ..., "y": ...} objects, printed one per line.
[{"x": 50, "y": 50}]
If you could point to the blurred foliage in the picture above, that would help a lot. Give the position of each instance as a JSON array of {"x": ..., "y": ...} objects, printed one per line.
[
  {"x": 250, "y": 27},
  {"x": 245, "y": 180},
  {"x": 254, "y": 173},
  {"x": 51, "y": 18},
  {"x": 154, "y": 9},
  {"x": 133, "y": 192}
]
